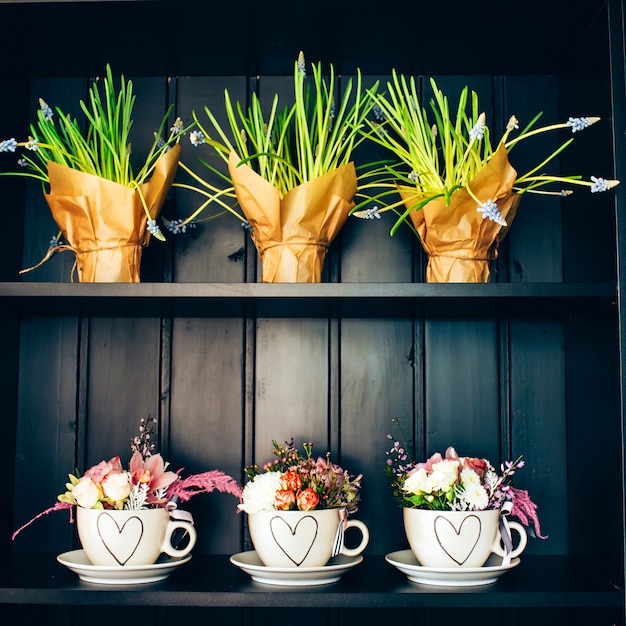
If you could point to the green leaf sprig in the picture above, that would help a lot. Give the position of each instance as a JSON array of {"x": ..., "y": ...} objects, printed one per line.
[
  {"x": 104, "y": 149},
  {"x": 288, "y": 146},
  {"x": 436, "y": 159}
]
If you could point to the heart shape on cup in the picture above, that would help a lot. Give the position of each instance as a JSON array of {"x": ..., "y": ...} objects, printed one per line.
[
  {"x": 121, "y": 542},
  {"x": 459, "y": 543},
  {"x": 296, "y": 542}
]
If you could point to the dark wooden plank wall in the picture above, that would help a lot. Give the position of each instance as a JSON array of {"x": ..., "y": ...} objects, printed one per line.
[{"x": 224, "y": 388}]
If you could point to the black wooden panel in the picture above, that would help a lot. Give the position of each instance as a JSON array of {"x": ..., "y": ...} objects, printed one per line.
[
  {"x": 589, "y": 219},
  {"x": 131, "y": 615},
  {"x": 377, "y": 385},
  {"x": 46, "y": 430},
  {"x": 538, "y": 426},
  {"x": 533, "y": 243},
  {"x": 9, "y": 364},
  {"x": 462, "y": 388},
  {"x": 472, "y": 617},
  {"x": 291, "y": 383},
  {"x": 364, "y": 617},
  {"x": 25, "y": 615},
  {"x": 123, "y": 387},
  {"x": 214, "y": 250},
  {"x": 206, "y": 424},
  {"x": 194, "y": 615},
  {"x": 593, "y": 430}
]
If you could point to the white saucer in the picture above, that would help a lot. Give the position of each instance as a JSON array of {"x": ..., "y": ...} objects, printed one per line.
[
  {"x": 250, "y": 563},
  {"x": 406, "y": 562},
  {"x": 77, "y": 561}
]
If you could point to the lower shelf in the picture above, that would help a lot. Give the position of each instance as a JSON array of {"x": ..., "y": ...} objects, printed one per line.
[{"x": 212, "y": 581}]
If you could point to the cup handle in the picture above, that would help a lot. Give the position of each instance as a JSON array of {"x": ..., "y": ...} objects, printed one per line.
[
  {"x": 364, "y": 539},
  {"x": 498, "y": 548},
  {"x": 168, "y": 548}
]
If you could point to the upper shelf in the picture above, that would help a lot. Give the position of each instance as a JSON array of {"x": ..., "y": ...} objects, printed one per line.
[{"x": 391, "y": 300}]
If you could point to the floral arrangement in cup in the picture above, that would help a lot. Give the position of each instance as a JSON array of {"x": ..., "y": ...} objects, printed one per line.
[
  {"x": 147, "y": 483},
  {"x": 451, "y": 482},
  {"x": 89, "y": 173},
  {"x": 295, "y": 481},
  {"x": 301, "y": 189},
  {"x": 456, "y": 189}
]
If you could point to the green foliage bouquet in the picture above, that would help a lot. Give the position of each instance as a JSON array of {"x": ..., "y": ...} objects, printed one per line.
[
  {"x": 300, "y": 191},
  {"x": 457, "y": 189},
  {"x": 105, "y": 210}
]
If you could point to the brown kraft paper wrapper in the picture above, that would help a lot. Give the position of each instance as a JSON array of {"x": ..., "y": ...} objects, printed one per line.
[
  {"x": 459, "y": 242},
  {"x": 292, "y": 234},
  {"x": 104, "y": 222}
]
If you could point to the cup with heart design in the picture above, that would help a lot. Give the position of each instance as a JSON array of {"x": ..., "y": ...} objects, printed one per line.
[
  {"x": 449, "y": 539},
  {"x": 131, "y": 537},
  {"x": 303, "y": 538}
]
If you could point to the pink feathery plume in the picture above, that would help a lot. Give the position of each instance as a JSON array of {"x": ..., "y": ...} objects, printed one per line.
[
  {"x": 525, "y": 509},
  {"x": 59, "y": 506},
  {"x": 206, "y": 482}
]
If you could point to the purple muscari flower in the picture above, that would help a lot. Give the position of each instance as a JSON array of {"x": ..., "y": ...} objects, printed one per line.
[
  {"x": 599, "y": 184},
  {"x": 8, "y": 145},
  {"x": 196, "y": 137},
  {"x": 580, "y": 123},
  {"x": 153, "y": 227},
  {"x": 45, "y": 109},
  {"x": 489, "y": 209},
  {"x": 378, "y": 114}
]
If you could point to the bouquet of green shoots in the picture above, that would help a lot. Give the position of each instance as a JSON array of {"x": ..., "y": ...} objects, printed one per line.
[
  {"x": 279, "y": 162},
  {"x": 446, "y": 174},
  {"x": 96, "y": 163}
]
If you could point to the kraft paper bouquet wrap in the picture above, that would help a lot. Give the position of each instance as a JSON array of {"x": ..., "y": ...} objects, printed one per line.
[
  {"x": 290, "y": 173},
  {"x": 106, "y": 212},
  {"x": 105, "y": 223},
  {"x": 457, "y": 192},
  {"x": 459, "y": 242},
  {"x": 292, "y": 234}
]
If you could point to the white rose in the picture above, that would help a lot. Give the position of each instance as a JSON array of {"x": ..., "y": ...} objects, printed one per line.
[
  {"x": 417, "y": 482},
  {"x": 259, "y": 493},
  {"x": 116, "y": 486},
  {"x": 86, "y": 492}
]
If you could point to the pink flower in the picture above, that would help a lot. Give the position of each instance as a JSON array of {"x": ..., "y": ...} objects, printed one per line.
[
  {"x": 428, "y": 466},
  {"x": 525, "y": 509},
  {"x": 99, "y": 472},
  {"x": 151, "y": 471}
]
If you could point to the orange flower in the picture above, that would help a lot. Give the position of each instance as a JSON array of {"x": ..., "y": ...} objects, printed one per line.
[
  {"x": 284, "y": 499},
  {"x": 291, "y": 480},
  {"x": 307, "y": 499}
]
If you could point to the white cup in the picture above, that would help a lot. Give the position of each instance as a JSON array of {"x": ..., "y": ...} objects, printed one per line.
[
  {"x": 112, "y": 537},
  {"x": 457, "y": 538},
  {"x": 301, "y": 538}
]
